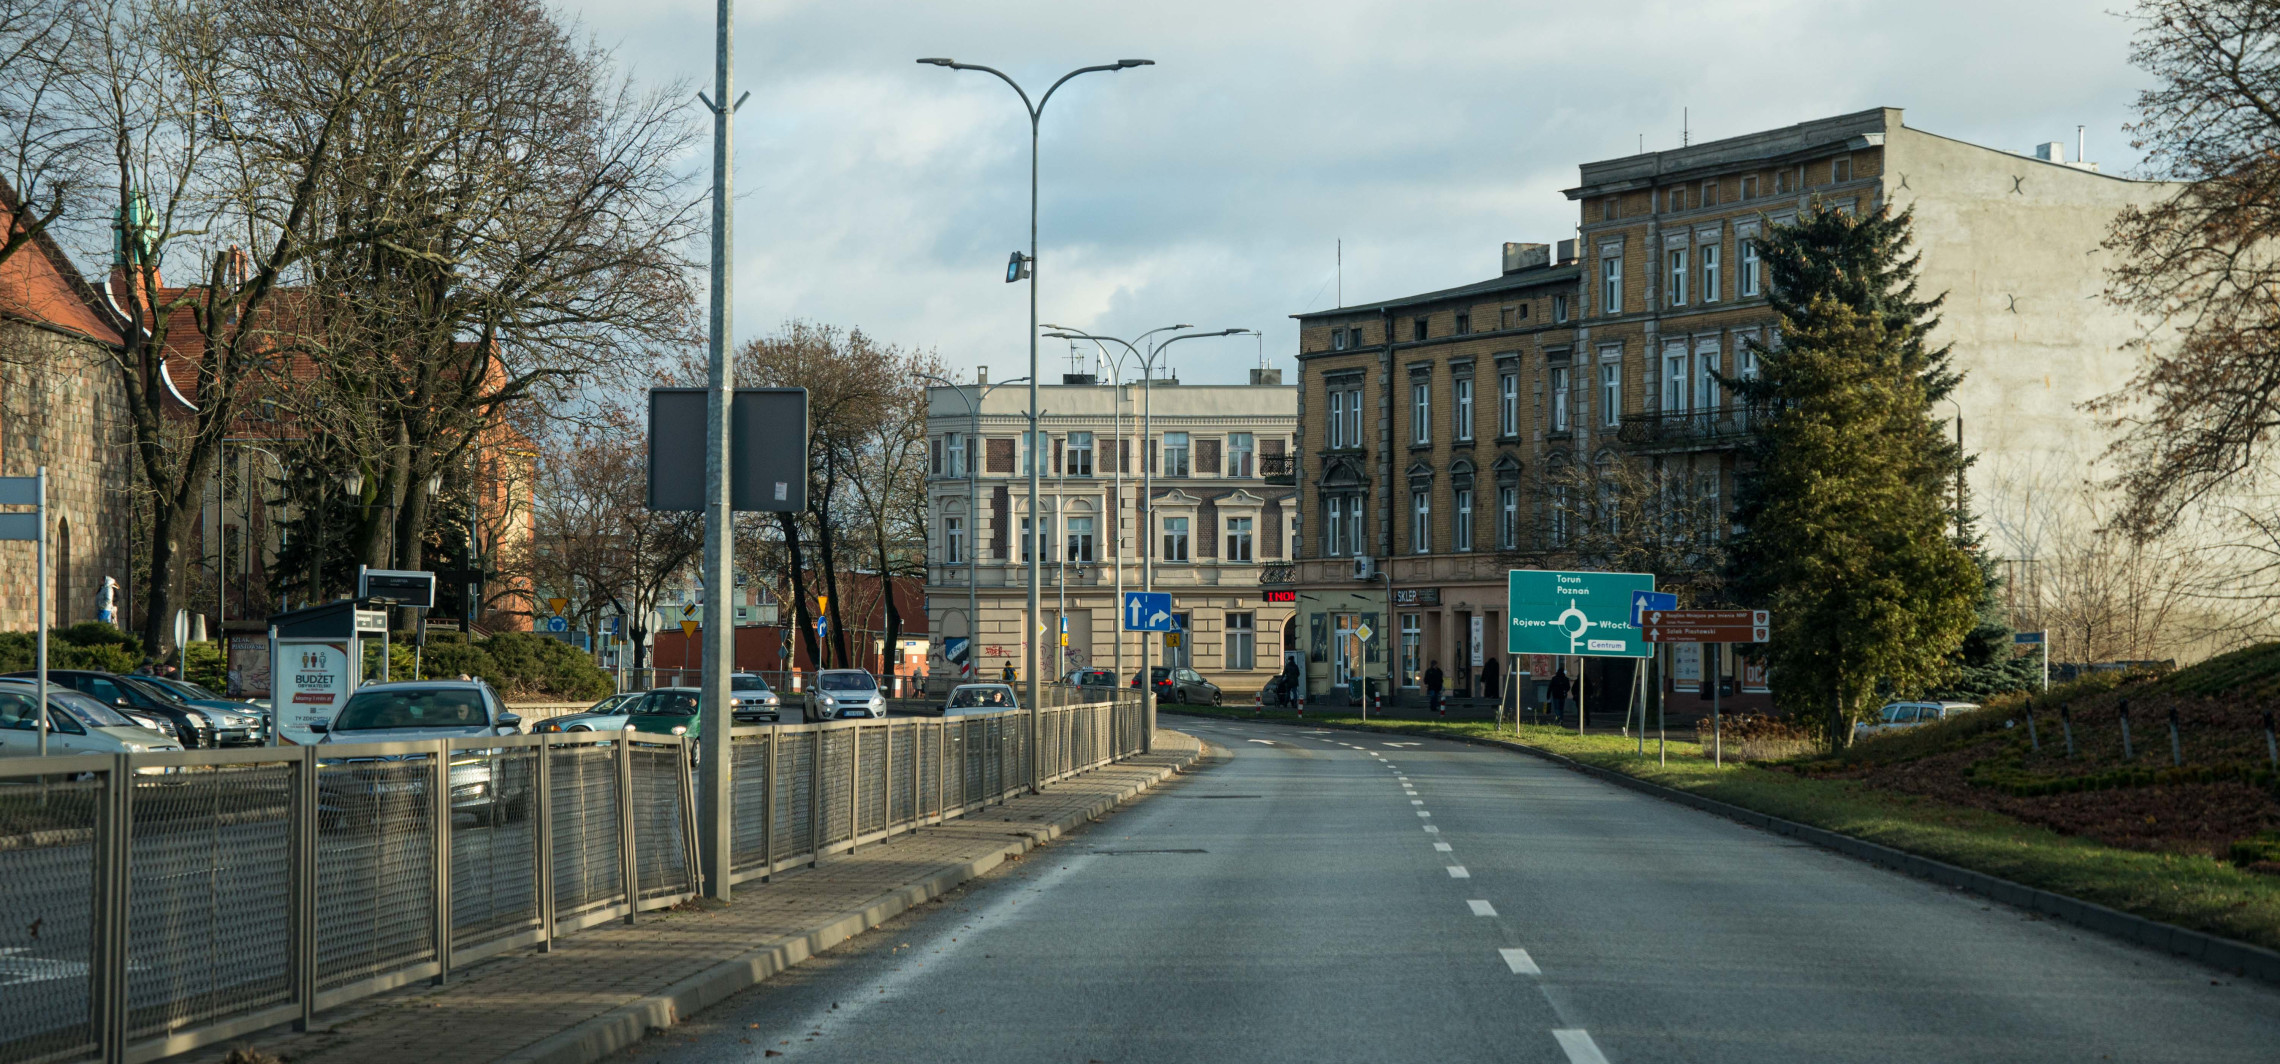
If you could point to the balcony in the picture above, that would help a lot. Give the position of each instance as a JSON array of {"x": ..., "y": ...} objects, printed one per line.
[
  {"x": 1694, "y": 430},
  {"x": 1279, "y": 469},
  {"x": 1282, "y": 573}
]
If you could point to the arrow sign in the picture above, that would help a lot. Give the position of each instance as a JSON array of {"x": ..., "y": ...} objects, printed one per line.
[
  {"x": 1707, "y": 626},
  {"x": 1148, "y": 611}
]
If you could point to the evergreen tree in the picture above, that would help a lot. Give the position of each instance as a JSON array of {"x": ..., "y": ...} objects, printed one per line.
[{"x": 1843, "y": 513}]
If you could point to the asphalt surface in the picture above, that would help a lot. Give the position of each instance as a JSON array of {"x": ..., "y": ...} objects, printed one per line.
[{"x": 1333, "y": 896}]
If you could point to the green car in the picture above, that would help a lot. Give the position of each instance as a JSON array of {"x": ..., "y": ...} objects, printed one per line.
[{"x": 666, "y": 711}]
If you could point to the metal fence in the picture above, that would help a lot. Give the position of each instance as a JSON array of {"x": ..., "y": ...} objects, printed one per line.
[{"x": 166, "y": 901}]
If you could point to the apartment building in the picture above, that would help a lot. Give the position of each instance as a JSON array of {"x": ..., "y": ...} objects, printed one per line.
[
  {"x": 1213, "y": 524},
  {"x": 1658, "y": 301}
]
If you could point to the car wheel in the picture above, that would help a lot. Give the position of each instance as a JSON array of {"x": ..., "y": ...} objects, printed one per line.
[
  {"x": 1215, "y": 697},
  {"x": 579, "y": 727}
]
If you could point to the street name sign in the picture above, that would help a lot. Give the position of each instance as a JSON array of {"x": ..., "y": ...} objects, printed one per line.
[
  {"x": 1586, "y": 614},
  {"x": 2026, "y": 638},
  {"x": 1148, "y": 611},
  {"x": 1707, "y": 626}
]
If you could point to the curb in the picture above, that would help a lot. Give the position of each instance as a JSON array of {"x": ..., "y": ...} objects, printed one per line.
[
  {"x": 628, "y": 1024},
  {"x": 2247, "y": 960}
]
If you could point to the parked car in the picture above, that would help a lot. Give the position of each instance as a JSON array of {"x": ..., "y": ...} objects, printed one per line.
[
  {"x": 77, "y": 724},
  {"x": 360, "y": 789},
  {"x": 193, "y": 727},
  {"x": 1092, "y": 678},
  {"x": 232, "y": 711},
  {"x": 1180, "y": 686},
  {"x": 609, "y": 714},
  {"x": 751, "y": 701},
  {"x": 979, "y": 698},
  {"x": 667, "y": 711},
  {"x": 1898, "y": 715},
  {"x": 839, "y": 694}
]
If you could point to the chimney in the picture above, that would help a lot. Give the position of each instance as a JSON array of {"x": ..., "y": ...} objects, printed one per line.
[
  {"x": 981, "y": 374},
  {"x": 1519, "y": 257},
  {"x": 1567, "y": 251},
  {"x": 1263, "y": 375}
]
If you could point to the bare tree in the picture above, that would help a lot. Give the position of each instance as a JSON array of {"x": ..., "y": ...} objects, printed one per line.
[
  {"x": 41, "y": 134},
  {"x": 596, "y": 539},
  {"x": 1630, "y": 514}
]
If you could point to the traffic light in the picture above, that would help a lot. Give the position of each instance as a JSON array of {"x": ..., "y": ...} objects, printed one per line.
[{"x": 1017, "y": 267}]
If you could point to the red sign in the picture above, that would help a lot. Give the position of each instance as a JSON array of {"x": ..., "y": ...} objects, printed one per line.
[
  {"x": 1282, "y": 596},
  {"x": 1706, "y": 626}
]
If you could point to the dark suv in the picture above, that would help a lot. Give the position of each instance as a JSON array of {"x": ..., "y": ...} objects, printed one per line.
[
  {"x": 193, "y": 726},
  {"x": 1181, "y": 686}
]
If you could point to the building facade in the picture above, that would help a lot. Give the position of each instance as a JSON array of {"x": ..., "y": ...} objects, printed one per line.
[
  {"x": 1214, "y": 524},
  {"x": 1659, "y": 297}
]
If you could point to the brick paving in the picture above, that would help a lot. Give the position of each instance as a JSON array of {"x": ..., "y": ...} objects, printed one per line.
[{"x": 515, "y": 1004}]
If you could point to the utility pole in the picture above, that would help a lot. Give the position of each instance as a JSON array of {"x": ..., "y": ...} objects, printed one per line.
[{"x": 714, "y": 792}]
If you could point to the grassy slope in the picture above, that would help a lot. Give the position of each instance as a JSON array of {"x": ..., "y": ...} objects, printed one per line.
[{"x": 2195, "y": 892}]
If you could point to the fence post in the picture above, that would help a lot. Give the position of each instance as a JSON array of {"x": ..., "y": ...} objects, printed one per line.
[
  {"x": 691, "y": 859},
  {"x": 307, "y": 822},
  {"x": 440, "y": 801},
  {"x": 628, "y": 877},
  {"x": 2271, "y": 747},
  {"x": 109, "y": 986},
  {"x": 942, "y": 767},
  {"x": 815, "y": 796},
  {"x": 854, "y": 786},
  {"x": 542, "y": 813},
  {"x": 2033, "y": 739},
  {"x": 2176, "y": 749},
  {"x": 768, "y": 808},
  {"x": 2127, "y": 753},
  {"x": 2066, "y": 722}
]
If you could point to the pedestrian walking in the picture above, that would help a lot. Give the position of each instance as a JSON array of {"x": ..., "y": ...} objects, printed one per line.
[
  {"x": 1561, "y": 685},
  {"x": 1433, "y": 699},
  {"x": 1007, "y": 676},
  {"x": 1490, "y": 680}
]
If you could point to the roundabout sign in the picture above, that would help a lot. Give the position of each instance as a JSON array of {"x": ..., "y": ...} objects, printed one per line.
[{"x": 1582, "y": 614}]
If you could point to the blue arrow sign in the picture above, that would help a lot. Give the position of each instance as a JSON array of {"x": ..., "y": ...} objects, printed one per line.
[
  {"x": 1645, "y": 601},
  {"x": 1148, "y": 611}
]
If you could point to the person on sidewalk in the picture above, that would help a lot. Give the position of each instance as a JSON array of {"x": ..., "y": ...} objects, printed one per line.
[
  {"x": 1489, "y": 680},
  {"x": 1561, "y": 685},
  {"x": 1433, "y": 700},
  {"x": 1007, "y": 676}
]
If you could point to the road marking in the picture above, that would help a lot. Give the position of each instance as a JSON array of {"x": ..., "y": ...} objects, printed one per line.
[
  {"x": 1417, "y": 801},
  {"x": 1518, "y": 960},
  {"x": 1269, "y": 742},
  {"x": 1423, "y": 813},
  {"x": 1457, "y": 871},
  {"x": 1481, "y": 908},
  {"x": 1580, "y": 1048},
  {"x": 1404, "y": 744},
  {"x": 1430, "y": 827},
  {"x": 1441, "y": 846}
]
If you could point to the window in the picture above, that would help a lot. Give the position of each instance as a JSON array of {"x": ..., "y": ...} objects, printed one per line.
[
  {"x": 1044, "y": 531},
  {"x": 1337, "y": 339},
  {"x": 1242, "y": 641},
  {"x": 1354, "y": 525},
  {"x": 1420, "y": 413},
  {"x": 1294, "y": 528},
  {"x": 1354, "y": 417},
  {"x": 1463, "y": 538},
  {"x": 1559, "y": 399},
  {"x": 1709, "y": 253},
  {"x": 1420, "y": 522},
  {"x": 1512, "y": 316},
  {"x": 1840, "y": 170},
  {"x": 1610, "y": 208},
  {"x": 1412, "y": 648},
  {"x": 1559, "y": 308},
  {"x": 1077, "y": 458},
  {"x": 1337, "y": 419},
  {"x": 1749, "y": 279},
  {"x": 1611, "y": 394},
  {"x": 1709, "y": 193},
  {"x": 1080, "y": 539},
  {"x": 1239, "y": 539},
  {"x": 1678, "y": 199},
  {"x": 1029, "y": 452},
  {"x": 1559, "y": 515},
  {"x": 1706, "y": 397},
  {"x": 1784, "y": 180},
  {"x": 1240, "y": 448},
  {"x": 1464, "y": 387},
  {"x": 1464, "y": 323},
  {"x": 1674, "y": 381},
  {"x": 1175, "y": 454},
  {"x": 1417, "y": 329},
  {"x": 953, "y": 541},
  {"x": 1610, "y": 284},
  {"x": 1709, "y": 492},
  {"x": 1750, "y": 187},
  {"x": 1508, "y": 517},
  {"x": 955, "y": 445},
  {"x": 1677, "y": 277},
  {"x": 1175, "y": 539},
  {"x": 1508, "y": 404},
  {"x": 1334, "y": 527}
]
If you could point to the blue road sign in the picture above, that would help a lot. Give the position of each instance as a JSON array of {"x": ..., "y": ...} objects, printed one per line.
[
  {"x": 557, "y": 624},
  {"x": 1642, "y": 601},
  {"x": 954, "y": 649},
  {"x": 1148, "y": 611},
  {"x": 2026, "y": 638},
  {"x": 823, "y": 627}
]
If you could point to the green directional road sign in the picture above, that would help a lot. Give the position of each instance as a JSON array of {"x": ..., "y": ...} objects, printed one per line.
[{"x": 1575, "y": 613}]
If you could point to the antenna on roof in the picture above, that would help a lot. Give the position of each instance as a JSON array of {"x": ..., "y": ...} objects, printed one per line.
[
  {"x": 1341, "y": 271},
  {"x": 1685, "y": 126}
]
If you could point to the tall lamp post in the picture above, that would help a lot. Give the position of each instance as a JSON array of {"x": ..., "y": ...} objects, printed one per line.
[
  {"x": 1036, "y": 551},
  {"x": 1147, "y": 494},
  {"x": 973, "y": 512}
]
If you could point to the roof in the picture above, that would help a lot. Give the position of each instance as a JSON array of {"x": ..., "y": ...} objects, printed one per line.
[
  {"x": 1528, "y": 278},
  {"x": 1860, "y": 129},
  {"x": 39, "y": 285}
]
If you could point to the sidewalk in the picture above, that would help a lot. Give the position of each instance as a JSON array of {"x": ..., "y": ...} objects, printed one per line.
[{"x": 605, "y": 988}]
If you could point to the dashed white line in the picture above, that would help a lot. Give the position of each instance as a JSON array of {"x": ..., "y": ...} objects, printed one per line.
[
  {"x": 1441, "y": 847},
  {"x": 1518, "y": 960},
  {"x": 1580, "y": 1048},
  {"x": 1423, "y": 813},
  {"x": 1457, "y": 871},
  {"x": 1481, "y": 908},
  {"x": 1430, "y": 827},
  {"x": 1417, "y": 801}
]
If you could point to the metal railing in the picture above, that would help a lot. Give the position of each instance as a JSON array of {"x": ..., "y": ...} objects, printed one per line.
[
  {"x": 165, "y": 901},
  {"x": 1685, "y": 429}
]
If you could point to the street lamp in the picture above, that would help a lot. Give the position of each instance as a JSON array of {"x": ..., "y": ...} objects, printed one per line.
[
  {"x": 1147, "y": 489},
  {"x": 1036, "y": 112},
  {"x": 973, "y": 512}
]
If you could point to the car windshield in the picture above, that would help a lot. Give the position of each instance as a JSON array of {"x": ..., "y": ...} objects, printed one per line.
[
  {"x": 978, "y": 697},
  {"x": 846, "y": 681},
  {"x": 455, "y": 707},
  {"x": 185, "y": 689},
  {"x": 89, "y": 710},
  {"x": 1899, "y": 714},
  {"x": 669, "y": 704},
  {"x": 747, "y": 683}
]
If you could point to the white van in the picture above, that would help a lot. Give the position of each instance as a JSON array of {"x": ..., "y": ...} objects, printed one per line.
[{"x": 77, "y": 724}]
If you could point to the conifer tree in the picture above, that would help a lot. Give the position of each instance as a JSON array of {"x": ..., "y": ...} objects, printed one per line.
[{"x": 1843, "y": 514}]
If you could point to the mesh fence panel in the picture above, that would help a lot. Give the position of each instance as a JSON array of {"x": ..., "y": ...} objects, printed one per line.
[
  {"x": 838, "y": 754},
  {"x": 993, "y": 757},
  {"x": 47, "y": 946},
  {"x": 871, "y": 773},
  {"x": 966, "y": 752},
  {"x": 204, "y": 841},
  {"x": 902, "y": 774},
  {"x": 660, "y": 837},
  {"x": 929, "y": 767},
  {"x": 375, "y": 867},
  {"x": 494, "y": 844},
  {"x": 748, "y": 754},
  {"x": 795, "y": 765},
  {"x": 583, "y": 780}
]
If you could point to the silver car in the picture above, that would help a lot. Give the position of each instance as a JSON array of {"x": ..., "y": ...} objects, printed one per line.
[
  {"x": 77, "y": 724},
  {"x": 839, "y": 694},
  {"x": 362, "y": 790},
  {"x": 979, "y": 698},
  {"x": 607, "y": 715},
  {"x": 1897, "y": 716}
]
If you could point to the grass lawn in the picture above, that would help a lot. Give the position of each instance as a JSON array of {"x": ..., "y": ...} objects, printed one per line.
[{"x": 2200, "y": 893}]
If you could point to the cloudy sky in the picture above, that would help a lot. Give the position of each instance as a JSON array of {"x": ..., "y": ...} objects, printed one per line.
[{"x": 1213, "y": 187}]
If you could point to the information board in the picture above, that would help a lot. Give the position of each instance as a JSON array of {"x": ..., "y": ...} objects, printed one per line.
[{"x": 1589, "y": 614}]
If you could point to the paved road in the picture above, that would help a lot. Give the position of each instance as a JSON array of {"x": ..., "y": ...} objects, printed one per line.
[{"x": 1331, "y": 896}]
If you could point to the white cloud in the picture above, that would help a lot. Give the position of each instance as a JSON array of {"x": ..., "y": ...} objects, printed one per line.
[{"x": 1212, "y": 187}]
